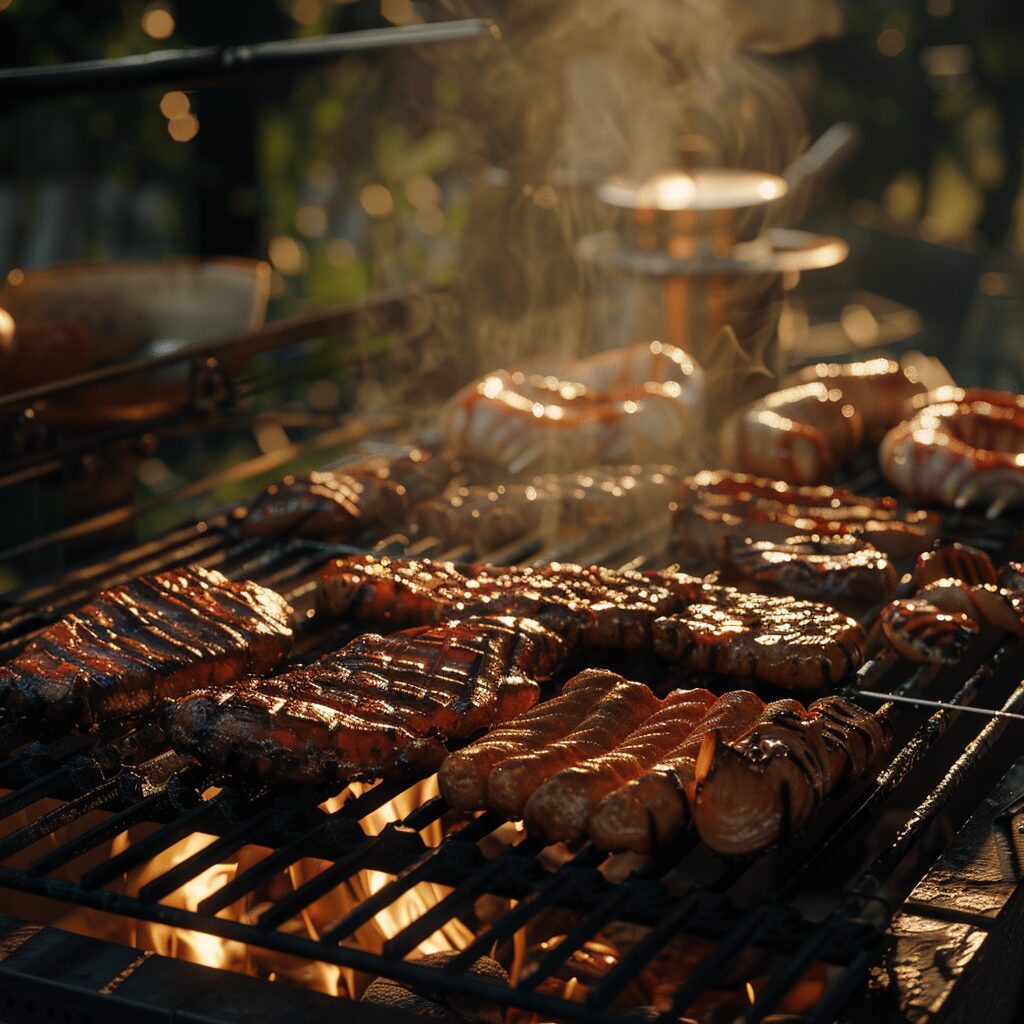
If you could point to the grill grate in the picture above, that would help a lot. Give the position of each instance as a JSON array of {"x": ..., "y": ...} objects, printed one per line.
[{"x": 126, "y": 771}]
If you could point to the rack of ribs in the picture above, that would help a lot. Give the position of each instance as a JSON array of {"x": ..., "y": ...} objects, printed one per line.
[
  {"x": 145, "y": 642},
  {"x": 379, "y": 707}
]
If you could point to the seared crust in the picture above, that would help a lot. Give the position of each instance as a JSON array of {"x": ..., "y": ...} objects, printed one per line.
[
  {"x": 145, "y": 642},
  {"x": 344, "y": 502},
  {"x": 377, "y": 707},
  {"x": 651, "y": 811},
  {"x": 558, "y": 810},
  {"x": 712, "y": 507},
  {"x": 778, "y": 640},
  {"x": 588, "y": 607},
  {"x": 841, "y": 570}
]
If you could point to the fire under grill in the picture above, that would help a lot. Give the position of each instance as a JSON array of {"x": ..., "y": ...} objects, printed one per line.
[{"x": 114, "y": 824}]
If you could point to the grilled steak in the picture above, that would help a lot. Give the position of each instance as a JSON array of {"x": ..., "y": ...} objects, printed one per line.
[
  {"x": 487, "y": 518},
  {"x": 588, "y": 607},
  {"x": 145, "y": 642},
  {"x": 754, "y": 791},
  {"x": 559, "y": 809},
  {"x": 843, "y": 571},
  {"x": 778, "y": 640},
  {"x": 711, "y": 507},
  {"x": 652, "y": 810},
  {"x": 342, "y": 503},
  {"x": 377, "y": 707},
  {"x": 463, "y": 775}
]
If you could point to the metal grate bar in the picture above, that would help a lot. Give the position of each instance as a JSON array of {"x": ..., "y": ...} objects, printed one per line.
[
  {"x": 641, "y": 954},
  {"x": 741, "y": 936},
  {"x": 198, "y": 862},
  {"x": 784, "y": 979},
  {"x": 149, "y": 846},
  {"x": 840, "y": 993},
  {"x": 575, "y": 937},
  {"x": 104, "y": 832},
  {"x": 890, "y": 777},
  {"x": 460, "y": 898},
  {"x": 414, "y": 873},
  {"x": 927, "y": 810},
  {"x": 538, "y": 899}
]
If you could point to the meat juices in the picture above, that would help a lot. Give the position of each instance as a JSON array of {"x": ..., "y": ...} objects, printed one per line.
[
  {"x": 378, "y": 707},
  {"x": 145, "y": 642}
]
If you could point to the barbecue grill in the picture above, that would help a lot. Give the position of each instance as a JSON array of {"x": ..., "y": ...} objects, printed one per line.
[{"x": 900, "y": 901}]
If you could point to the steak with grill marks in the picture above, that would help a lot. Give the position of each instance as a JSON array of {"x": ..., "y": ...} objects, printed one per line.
[
  {"x": 588, "y": 607},
  {"x": 378, "y": 707},
  {"x": 145, "y": 642},
  {"x": 778, "y": 640}
]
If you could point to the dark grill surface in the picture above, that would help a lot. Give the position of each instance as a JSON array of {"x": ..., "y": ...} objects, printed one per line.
[{"x": 824, "y": 896}]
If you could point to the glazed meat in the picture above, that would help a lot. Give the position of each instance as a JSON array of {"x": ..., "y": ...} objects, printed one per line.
[
  {"x": 608, "y": 720},
  {"x": 374, "y": 492},
  {"x": 464, "y": 774},
  {"x": 488, "y": 518},
  {"x": 588, "y": 607},
  {"x": 954, "y": 561},
  {"x": 652, "y": 810},
  {"x": 778, "y": 640},
  {"x": 712, "y": 507},
  {"x": 842, "y": 570},
  {"x": 147, "y": 641},
  {"x": 559, "y": 809},
  {"x": 878, "y": 389},
  {"x": 378, "y": 707},
  {"x": 801, "y": 434},
  {"x": 751, "y": 793}
]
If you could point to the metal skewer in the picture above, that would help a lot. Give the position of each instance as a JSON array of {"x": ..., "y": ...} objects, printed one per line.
[{"x": 920, "y": 702}]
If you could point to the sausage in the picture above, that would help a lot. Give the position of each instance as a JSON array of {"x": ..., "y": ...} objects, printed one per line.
[
  {"x": 615, "y": 715},
  {"x": 463, "y": 775},
  {"x": 559, "y": 809},
  {"x": 651, "y": 811}
]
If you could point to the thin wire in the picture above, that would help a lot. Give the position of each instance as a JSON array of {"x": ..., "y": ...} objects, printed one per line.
[{"x": 919, "y": 702}]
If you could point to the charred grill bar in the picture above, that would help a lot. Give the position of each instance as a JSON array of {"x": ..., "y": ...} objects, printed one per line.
[{"x": 793, "y": 923}]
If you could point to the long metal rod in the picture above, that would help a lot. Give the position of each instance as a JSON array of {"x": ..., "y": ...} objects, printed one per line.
[
  {"x": 922, "y": 703},
  {"x": 205, "y": 65}
]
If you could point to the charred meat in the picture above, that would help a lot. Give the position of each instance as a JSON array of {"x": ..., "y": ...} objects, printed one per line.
[
  {"x": 712, "y": 507},
  {"x": 778, "y": 640},
  {"x": 588, "y": 607},
  {"x": 145, "y": 642},
  {"x": 343, "y": 503},
  {"x": 378, "y": 707},
  {"x": 753, "y": 792},
  {"x": 844, "y": 570}
]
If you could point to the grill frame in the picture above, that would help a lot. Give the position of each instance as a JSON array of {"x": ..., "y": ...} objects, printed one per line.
[{"x": 852, "y": 934}]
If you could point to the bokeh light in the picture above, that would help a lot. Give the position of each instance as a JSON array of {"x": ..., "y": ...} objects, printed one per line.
[
  {"x": 340, "y": 253},
  {"x": 311, "y": 221},
  {"x": 183, "y": 129},
  {"x": 174, "y": 104},
  {"x": 158, "y": 22},
  {"x": 288, "y": 255},
  {"x": 422, "y": 192},
  {"x": 376, "y": 200}
]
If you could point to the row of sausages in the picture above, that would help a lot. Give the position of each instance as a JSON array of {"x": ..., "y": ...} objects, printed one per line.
[{"x": 609, "y": 760}]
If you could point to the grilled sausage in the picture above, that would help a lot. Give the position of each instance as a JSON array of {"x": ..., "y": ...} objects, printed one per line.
[
  {"x": 926, "y": 634},
  {"x": 463, "y": 775},
  {"x": 651, "y": 811},
  {"x": 559, "y": 809},
  {"x": 954, "y": 561},
  {"x": 615, "y": 715}
]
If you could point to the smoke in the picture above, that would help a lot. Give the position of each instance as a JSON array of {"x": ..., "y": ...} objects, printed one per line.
[{"x": 581, "y": 90}]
